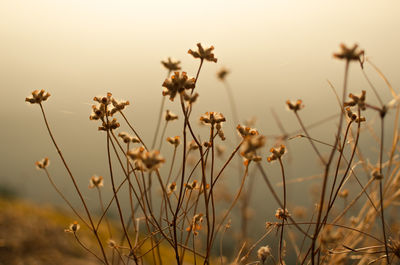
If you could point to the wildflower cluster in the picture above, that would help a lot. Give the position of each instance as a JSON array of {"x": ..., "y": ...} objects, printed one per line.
[
  {"x": 251, "y": 144},
  {"x": 196, "y": 224},
  {"x": 282, "y": 214},
  {"x": 245, "y": 131},
  {"x": 214, "y": 118}
]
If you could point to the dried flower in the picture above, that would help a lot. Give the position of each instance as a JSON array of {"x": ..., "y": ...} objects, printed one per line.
[
  {"x": 282, "y": 215},
  {"x": 171, "y": 188},
  {"x": 118, "y": 105},
  {"x": 196, "y": 224},
  {"x": 212, "y": 118},
  {"x": 98, "y": 112},
  {"x": 104, "y": 100},
  {"x": 146, "y": 160},
  {"x": 171, "y": 65},
  {"x": 127, "y": 138},
  {"x": 111, "y": 243},
  {"x": 96, "y": 182},
  {"x": 73, "y": 228},
  {"x": 191, "y": 186},
  {"x": 109, "y": 125},
  {"x": 344, "y": 193},
  {"x": 276, "y": 153},
  {"x": 190, "y": 99},
  {"x": 353, "y": 116},
  {"x": 250, "y": 146},
  {"x": 222, "y": 73},
  {"x": 193, "y": 145},
  {"x": 263, "y": 253},
  {"x": 38, "y": 96},
  {"x": 177, "y": 83},
  {"x": 246, "y": 131},
  {"x": 42, "y": 164},
  {"x": 349, "y": 54},
  {"x": 169, "y": 116},
  {"x": 357, "y": 100},
  {"x": 174, "y": 140},
  {"x": 295, "y": 106},
  {"x": 203, "y": 54}
]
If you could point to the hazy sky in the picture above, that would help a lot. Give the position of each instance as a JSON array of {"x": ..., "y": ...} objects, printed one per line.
[{"x": 77, "y": 49}]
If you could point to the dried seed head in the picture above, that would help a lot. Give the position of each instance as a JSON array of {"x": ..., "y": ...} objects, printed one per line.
[
  {"x": 174, "y": 140},
  {"x": 357, "y": 100},
  {"x": 111, "y": 243},
  {"x": 118, "y": 105},
  {"x": 193, "y": 145},
  {"x": 127, "y": 138},
  {"x": 192, "y": 186},
  {"x": 222, "y": 73},
  {"x": 42, "y": 164},
  {"x": 250, "y": 146},
  {"x": 281, "y": 214},
  {"x": 196, "y": 224},
  {"x": 169, "y": 116},
  {"x": 353, "y": 116},
  {"x": 276, "y": 153},
  {"x": 190, "y": 99},
  {"x": 146, "y": 160},
  {"x": 96, "y": 182},
  {"x": 212, "y": 118},
  {"x": 171, "y": 65},
  {"x": 177, "y": 83},
  {"x": 171, "y": 188},
  {"x": 38, "y": 96},
  {"x": 73, "y": 228},
  {"x": 106, "y": 100},
  {"x": 295, "y": 106},
  {"x": 203, "y": 54},
  {"x": 349, "y": 54},
  {"x": 263, "y": 253},
  {"x": 246, "y": 131}
]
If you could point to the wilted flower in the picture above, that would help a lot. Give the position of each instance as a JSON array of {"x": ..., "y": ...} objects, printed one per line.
[
  {"x": 104, "y": 100},
  {"x": 353, "y": 116},
  {"x": 203, "y": 54},
  {"x": 212, "y": 118},
  {"x": 190, "y": 99},
  {"x": 263, "y": 253},
  {"x": 127, "y": 138},
  {"x": 192, "y": 186},
  {"x": 73, "y": 228},
  {"x": 38, "y": 96},
  {"x": 42, "y": 164},
  {"x": 173, "y": 140},
  {"x": 349, "y": 54},
  {"x": 96, "y": 182},
  {"x": 169, "y": 116},
  {"x": 98, "y": 112},
  {"x": 222, "y": 73},
  {"x": 295, "y": 106},
  {"x": 193, "y": 145},
  {"x": 171, "y": 65},
  {"x": 177, "y": 83},
  {"x": 357, "y": 100},
  {"x": 276, "y": 153}
]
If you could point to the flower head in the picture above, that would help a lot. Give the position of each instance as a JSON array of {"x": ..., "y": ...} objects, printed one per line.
[
  {"x": 276, "y": 153},
  {"x": 203, "y": 54},
  {"x": 222, "y": 73},
  {"x": 171, "y": 65},
  {"x": 282, "y": 214},
  {"x": 171, "y": 188},
  {"x": 38, "y": 96},
  {"x": 127, "y": 138},
  {"x": 118, "y": 105},
  {"x": 174, "y": 141},
  {"x": 109, "y": 125},
  {"x": 146, "y": 160},
  {"x": 251, "y": 144},
  {"x": 349, "y": 54},
  {"x": 212, "y": 118},
  {"x": 357, "y": 100},
  {"x": 42, "y": 164},
  {"x": 263, "y": 253},
  {"x": 170, "y": 116},
  {"x": 295, "y": 106},
  {"x": 73, "y": 228},
  {"x": 246, "y": 131},
  {"x": 196, "y": 224},
  {"x": 96, "y": 182},
  {"x": 177, "y": 83}
]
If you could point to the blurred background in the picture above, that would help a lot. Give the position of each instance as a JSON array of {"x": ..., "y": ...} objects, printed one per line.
[{"x": 275, "y": 50}]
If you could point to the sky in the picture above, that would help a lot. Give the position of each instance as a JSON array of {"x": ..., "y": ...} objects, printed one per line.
[{"x": 275, "y": 50}]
